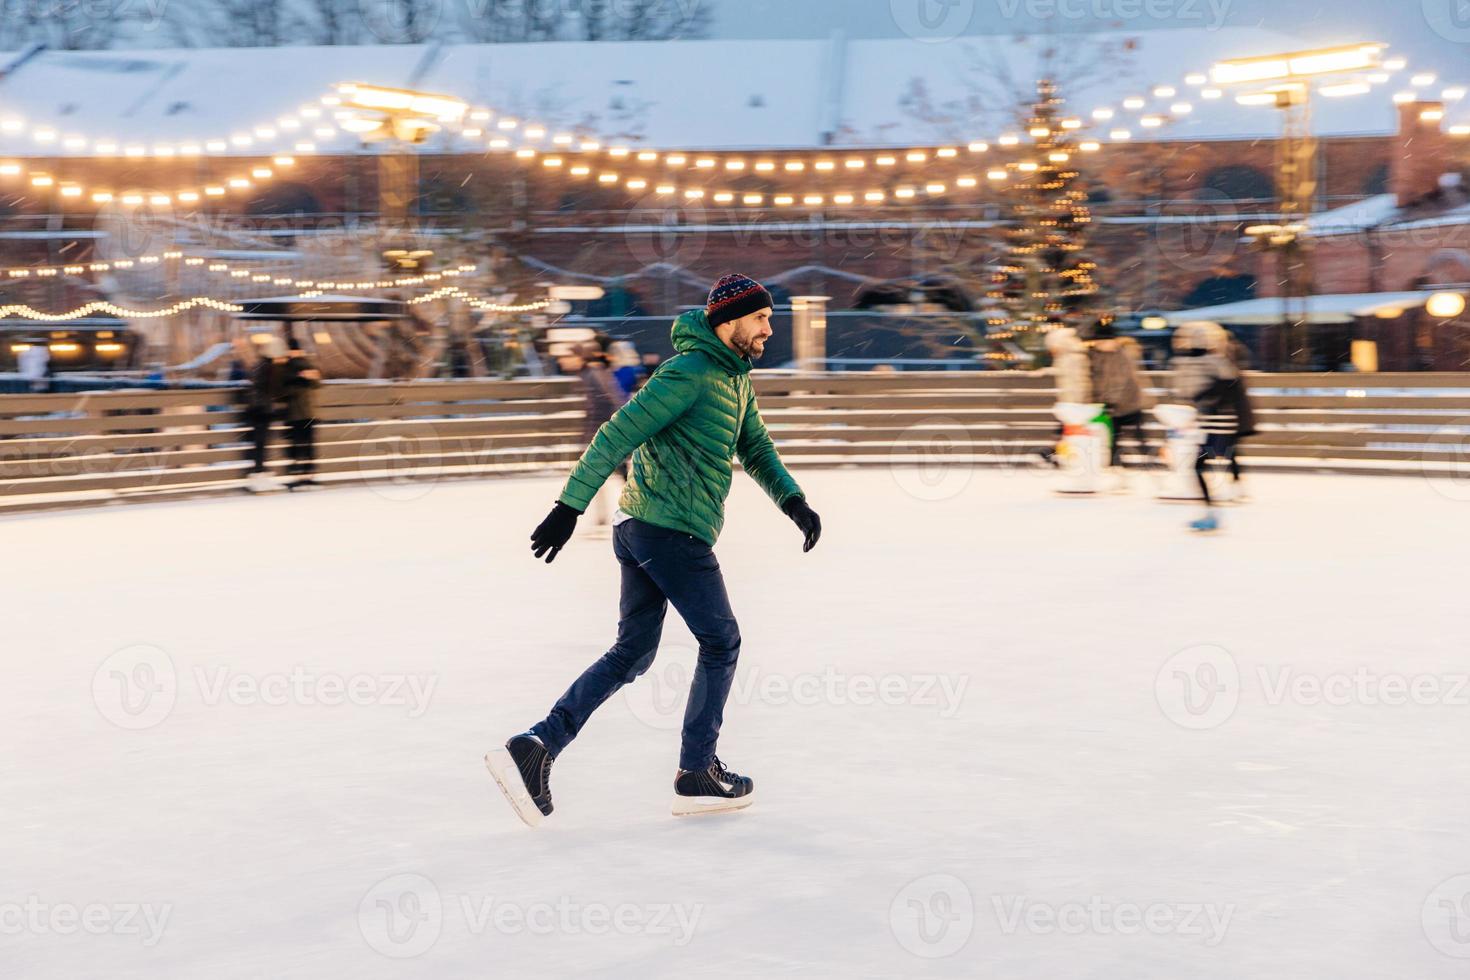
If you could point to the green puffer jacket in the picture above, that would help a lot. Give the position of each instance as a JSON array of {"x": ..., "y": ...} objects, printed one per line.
[{"x": 682, "y": 428}]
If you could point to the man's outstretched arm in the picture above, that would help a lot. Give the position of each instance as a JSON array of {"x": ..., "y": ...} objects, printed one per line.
[{"x": 666, "y": 396}]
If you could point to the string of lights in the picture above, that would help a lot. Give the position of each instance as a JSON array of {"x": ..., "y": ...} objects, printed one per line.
[
  {"x": 479, "y": 302},
  {"x": 99, "y": 306},
  {"x": 73, "y": 190},
  {"x": 1154, "y": 108},
  {"x": 315, "y": 118},
  {"x": 638, "y": 168},
  {"x": 227, "y": 268}
]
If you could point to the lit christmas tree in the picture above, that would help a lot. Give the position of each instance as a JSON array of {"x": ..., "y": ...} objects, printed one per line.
[{"x": 1045, "y": 279}]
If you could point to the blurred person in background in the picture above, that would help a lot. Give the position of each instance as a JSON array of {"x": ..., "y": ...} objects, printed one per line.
[
  {"x": 626, "y": 365},
  {"x": 1118, "y": 383},
  {"x": 263, "y": 398},
  {"x": 604, "y": 397},
  {"x": 35, "y": 365},
  {"x": 1073, "y": 373},
  {"x": 1228, "y": 345},
  {"x": 1206, "y": 378},
  {"x": 299, "y": 384}
]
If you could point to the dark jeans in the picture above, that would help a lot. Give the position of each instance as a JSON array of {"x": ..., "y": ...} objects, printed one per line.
[
  {"x": 260, "y": 436},
  {"x": 1131, "y": 422},
  {"x": 303, "y": 446},
  {"x": 1216, "y": 447},
  {"x": 660, "y": 566}
]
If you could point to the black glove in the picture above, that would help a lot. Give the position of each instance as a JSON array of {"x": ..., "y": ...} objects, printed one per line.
[
  {"x": 806, "y": 519},
  {"x": 552, "y": 534}
]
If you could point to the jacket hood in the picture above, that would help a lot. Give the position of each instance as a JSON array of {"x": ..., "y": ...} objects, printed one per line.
[{"x": 692, "y": 332}]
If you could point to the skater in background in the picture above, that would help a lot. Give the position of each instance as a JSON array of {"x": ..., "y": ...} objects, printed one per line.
[
  {"x": 1240, "y": 357},
  {"x": 626, "y": 366},
  {"x": 604, "y": 397},
  {"x": 1205, "y": 378},
  {"x": 1118, "y": 383},
  {"x": 1073, "y": 374},
  {"x": 682, "y": 429},
  {"x": 299, "y": 383},
  {"x": 34, "y": 364},
  {"x": 263, "y": 399}
]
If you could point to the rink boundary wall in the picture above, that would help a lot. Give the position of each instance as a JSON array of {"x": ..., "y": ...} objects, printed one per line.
[{"x": 98, "y": 447}]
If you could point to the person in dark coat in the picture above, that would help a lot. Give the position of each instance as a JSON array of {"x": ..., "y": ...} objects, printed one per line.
[
  {"x": 1118, "y": 383},
  {"x": 263, "y": 399},
  {"x": 300, "y": 382}
]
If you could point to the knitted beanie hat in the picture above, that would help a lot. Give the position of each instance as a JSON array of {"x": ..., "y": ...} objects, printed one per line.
[{"x": 734, "y": 297}]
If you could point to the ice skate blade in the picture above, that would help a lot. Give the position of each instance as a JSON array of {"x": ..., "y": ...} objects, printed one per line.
[
  {"x": 696, "y": 806},
  {"x": 508, "y": 778}
]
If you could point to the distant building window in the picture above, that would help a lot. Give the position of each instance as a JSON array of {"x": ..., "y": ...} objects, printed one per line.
[
  {"x": 286, "y": 199},
  {"x": 438, "y": 196},
  {"x": 1447, "y": 267},
  {"x": 1239, "y": 182},
  {"x": 1219, "y": 290},
  {"x": 1377, "y": 182}
]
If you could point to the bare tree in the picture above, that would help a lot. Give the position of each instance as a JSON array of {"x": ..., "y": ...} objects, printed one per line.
[
  {"x": 500, "y": 21},
  {"x": 659, "y": 20},
  {"x": 70, "y": 25},
  {"x": 333, "y": 22},
  {"x": 233, "y": 23}
]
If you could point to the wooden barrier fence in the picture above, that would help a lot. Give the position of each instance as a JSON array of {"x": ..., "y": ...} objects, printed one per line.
[{"x": 61, "y": 450}]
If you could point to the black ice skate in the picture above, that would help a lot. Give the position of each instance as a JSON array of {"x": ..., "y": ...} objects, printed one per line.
[
  {"x": 523, "y": 771},
  {"x": 712, "y": 790}
]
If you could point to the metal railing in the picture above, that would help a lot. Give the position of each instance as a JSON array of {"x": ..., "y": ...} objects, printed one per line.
[{"x": 67, "y": 449}]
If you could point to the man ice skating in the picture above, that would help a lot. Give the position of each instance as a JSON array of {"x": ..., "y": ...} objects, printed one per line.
[{"x": 682, "y": 428}]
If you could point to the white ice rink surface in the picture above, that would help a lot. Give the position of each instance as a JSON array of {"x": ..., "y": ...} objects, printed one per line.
[{"x": 1050, "y": 738}]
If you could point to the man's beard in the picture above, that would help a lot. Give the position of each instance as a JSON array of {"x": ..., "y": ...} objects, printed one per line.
[{"x": 746, "y": 347}]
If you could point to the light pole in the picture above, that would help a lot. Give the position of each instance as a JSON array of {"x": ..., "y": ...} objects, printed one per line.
[
  {"x": 809, "y": 332},
  {"x": 1288, "y": 79},
  {"x": 401, "y": 118}
]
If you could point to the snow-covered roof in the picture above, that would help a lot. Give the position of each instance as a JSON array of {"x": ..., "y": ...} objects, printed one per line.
[
  {"x": 1328, "y": 308},
  {"x": 1370, "y": 212},
  {"x": 704, "y": 94}
]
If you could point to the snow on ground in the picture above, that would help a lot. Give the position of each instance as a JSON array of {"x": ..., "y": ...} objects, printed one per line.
[{"x": 994, "y": 732}]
